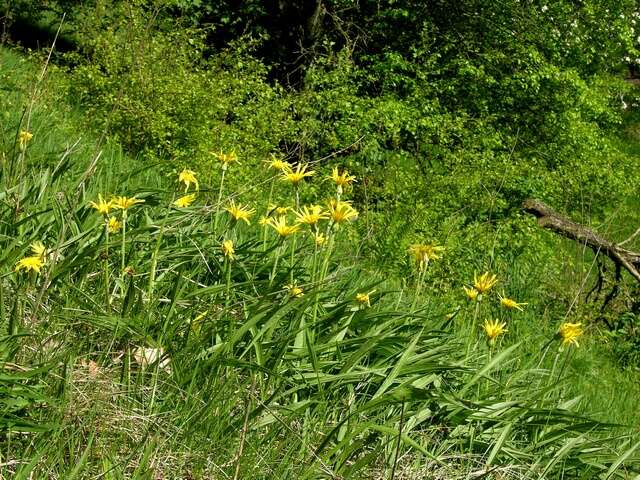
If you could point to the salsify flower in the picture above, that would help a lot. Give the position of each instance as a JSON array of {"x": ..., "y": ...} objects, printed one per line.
[
  {"x": 38, "y": 249},
  {"x": 227, "y": 249},
  {"x": 294, "y": 290},
  {"x": 570, "y": 333},
  {"x": 273, "y": 208},
  {"x": 114, "y": 225},
  {"x": 124, "y": 203},
  {"x": 511, "y": 304},
  {"x": 341, "y": 211},
  {"x": 424, "y": 253},
  {"x": 311, "y": 215},
  {"x": 280, "y": 226},
  {"x": 185, "y": 200},
  {"x": 227, "y": 159},
  {"x": 472, "y": 293},
  {"x": 484, "y": 283},
  {"x": 319, "y": 239},
  {"x": 240, "y": 212},
  {"x": 102, "y": 206},
  {"x": 188, "y": 177},
  {"x": 363, "y": 298},
  {"x": 24, "y": 137},
  {"x": 296, "y": 176},
  {"x": 492, "y": 329},
  {"x": 341, "y": 179},
  {"x": 32, "y": 263},
  {"x": 278, "y": 164},
  {"x": 264, "y": 221}
]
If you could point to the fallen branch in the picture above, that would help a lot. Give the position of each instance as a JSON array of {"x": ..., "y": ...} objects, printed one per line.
[{"x": 552, "y": 220}]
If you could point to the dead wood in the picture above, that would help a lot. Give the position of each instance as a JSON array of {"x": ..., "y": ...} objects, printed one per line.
[{"x": 552, "y": 220}]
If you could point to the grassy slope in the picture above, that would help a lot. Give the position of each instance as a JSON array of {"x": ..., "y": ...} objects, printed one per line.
[{"x": 113, "y": 419}]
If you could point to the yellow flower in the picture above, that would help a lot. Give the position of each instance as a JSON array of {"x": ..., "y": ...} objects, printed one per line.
[
  {"x": 239, "y": 212},
  {"x": 188, "y": 177},
  {"x": 493, "y": 328},
  {"x": 263, "y": 220},
  {"x": 227, "y": 249},
  {"x": 311, "y": 215},
  {"x": 185, "y": 200},
  {"x": 423, "y": 254},
  {"x": 280, "y": 226},
  {"x": 114, "y": 225},
  {"x": 295, "y": 177},
  {"x": 319, "y": 239},
  {"x": 38, "y": 249},
  {"x": 472, "y": 293},
  {"x": 103, "y": 207},
  {"x": 24, "y": 137},
  {"x": 124, "y": 203},
  {"x": 341, "y": 179},
  {"x": 363, "y": 298},
  {"x": 32, "y": 263},
  {"x": 294, "y": 290},
  {"x": 342, "y": 211},
  {"x": 511, "y": 304},
  {"x": 227, "y": 159},
  {"x": 278, "y": 164},
  {"x": 570, "y": 333},
  {"x": 273, "y": 208},
  {"x": 485, "y": 282}
]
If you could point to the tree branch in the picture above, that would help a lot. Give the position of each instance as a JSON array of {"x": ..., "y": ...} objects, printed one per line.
[{"x": 552, "y": 220}]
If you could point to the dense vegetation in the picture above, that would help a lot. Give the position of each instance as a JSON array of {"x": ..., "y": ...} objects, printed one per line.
[{"x": 177, "y": 300}]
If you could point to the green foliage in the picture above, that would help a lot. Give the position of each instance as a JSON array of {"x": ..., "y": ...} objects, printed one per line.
[{"x": 238, "y": 374}]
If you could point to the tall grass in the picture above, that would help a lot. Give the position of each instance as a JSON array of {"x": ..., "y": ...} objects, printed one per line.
[{"x": 192, "y": 363}]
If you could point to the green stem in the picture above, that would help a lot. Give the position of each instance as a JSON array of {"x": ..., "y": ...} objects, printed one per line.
[
  {"x": 122, "y": 249},
  {"x": 106, "y": 265},
  {"x": 218, "y": 203},
  {"x": 472, "y": 328},
  {"x": 264, "y": 229}
]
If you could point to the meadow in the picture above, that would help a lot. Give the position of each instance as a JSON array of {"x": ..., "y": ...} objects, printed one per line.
[{"x": 219, "y": 309}]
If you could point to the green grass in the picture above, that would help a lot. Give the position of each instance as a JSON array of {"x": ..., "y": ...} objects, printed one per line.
[{"x": 250, "y": 381}]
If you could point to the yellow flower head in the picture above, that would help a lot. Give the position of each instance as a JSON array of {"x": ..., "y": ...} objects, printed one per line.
[
  {"x": 185, "y": 200},
  {"x": 33, "y": 263},
  {"x": 341, "y": 179},
  {"x": 264, "y": 221},
  {"x": 227, "y": 159},
  {"x": 311, "y": 215},
  {"x": 570, "y": 333},
  {"x": 294, "y": 290},
  {"x": 363, "y": 298},
  {"x": 24, "y": 137},
  {"x": 280, "y": 226},
  {"x": 124, "y": 203},
  {"x": 227, "y": 249},
  {"x": 188, "y": 177},
  {"x": 493, "y": 328},
  {"x": 423, "y": 254},
  {"x": 239, "y": 212},
  {"x": 319, "y": 239},
  {"x": 472, "y": 293},
  {"x": 511, "y": 304},
  {"x": 296, "y": 176},
  {"x": 341, "y": 212},
  {"x": 38, "y": 249},
  {"x": 273, "y": 208},
  {"x": 484, "y": 283},
  {"x": 114, "y": 225},
  {"x": 278, "y": 164},
  {"x": 103, "y": 207}
]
